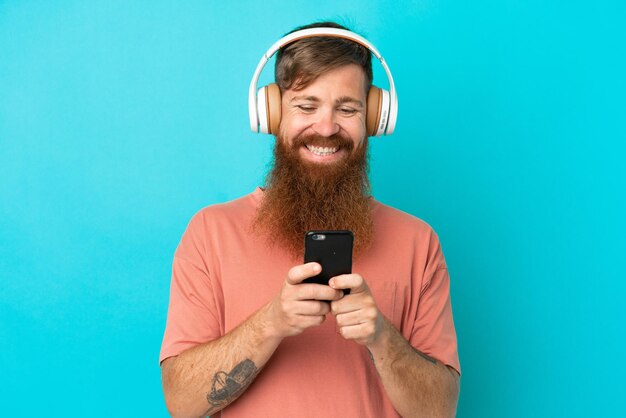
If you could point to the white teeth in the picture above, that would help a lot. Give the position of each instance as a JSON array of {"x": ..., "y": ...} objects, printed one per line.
[{"x": 322, "y": 150}]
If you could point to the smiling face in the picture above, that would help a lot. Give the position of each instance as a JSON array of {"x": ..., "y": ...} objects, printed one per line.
[
  {"x": 325, "y": 121},
  {"x": 319, "y": 179}
]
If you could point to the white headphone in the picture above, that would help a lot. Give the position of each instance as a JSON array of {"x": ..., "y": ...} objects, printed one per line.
[{"x": 264, "y": 107}]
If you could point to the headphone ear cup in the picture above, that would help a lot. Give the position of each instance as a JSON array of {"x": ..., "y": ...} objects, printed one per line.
[
  {"x": 378, "y": 104},
  {"x": 261, "y": 109},
  {"x": 273, "y": 103},
  {"x": 374, "y": 102}
]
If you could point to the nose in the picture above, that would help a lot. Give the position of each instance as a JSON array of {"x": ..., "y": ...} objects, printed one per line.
[{"x": 325, "y": 125}]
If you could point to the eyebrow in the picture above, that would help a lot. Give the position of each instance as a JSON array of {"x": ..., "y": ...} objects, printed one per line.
[
  {"x": 348, "y": 99},
  {"x": 306, "y": 98},
  {"x": 341, "y": 100}
]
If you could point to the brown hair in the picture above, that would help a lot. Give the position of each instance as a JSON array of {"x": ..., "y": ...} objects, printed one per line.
[{"x": 301, "y": 62}]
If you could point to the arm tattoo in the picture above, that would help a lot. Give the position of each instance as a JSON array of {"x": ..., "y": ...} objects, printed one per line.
[{"x": 227, "y": 386}]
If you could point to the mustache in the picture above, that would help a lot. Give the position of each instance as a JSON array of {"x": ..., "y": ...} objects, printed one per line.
[{"x": 335, "y": 140}]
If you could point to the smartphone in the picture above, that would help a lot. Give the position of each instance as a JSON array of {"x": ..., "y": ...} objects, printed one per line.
[{"x": 333, "y": 250}]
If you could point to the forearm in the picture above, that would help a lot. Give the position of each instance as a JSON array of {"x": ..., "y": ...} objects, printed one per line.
[
  {"x": 208, "y": 377},
  {"x": 417, "y": 385}
]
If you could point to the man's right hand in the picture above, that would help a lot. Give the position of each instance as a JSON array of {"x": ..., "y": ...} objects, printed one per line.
[{"x": 299, "y": 305}]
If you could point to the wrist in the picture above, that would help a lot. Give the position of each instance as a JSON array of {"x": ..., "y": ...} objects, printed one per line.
[
  {"x": 268, "y": 324},
  {"x": 381, "y": 341}
]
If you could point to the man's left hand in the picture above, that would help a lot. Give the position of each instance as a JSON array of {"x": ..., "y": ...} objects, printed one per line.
[{"x": 357, "y": 314}]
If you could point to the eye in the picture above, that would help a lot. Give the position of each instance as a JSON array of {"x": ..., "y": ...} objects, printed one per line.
[
  {"x": 347, "y": 111},
  {"x": 306, "y": 108}
]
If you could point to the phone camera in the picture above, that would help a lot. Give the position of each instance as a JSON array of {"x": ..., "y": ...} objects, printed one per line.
[{"x": 319, "y": 237}]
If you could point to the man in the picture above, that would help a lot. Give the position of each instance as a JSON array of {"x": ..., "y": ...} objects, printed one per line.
[{"x": 245, "y": 336}]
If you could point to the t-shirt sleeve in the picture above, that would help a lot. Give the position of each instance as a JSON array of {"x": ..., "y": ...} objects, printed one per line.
[
  {"x": 433, "y": 330},
  {"x": 192, "y": 317}
]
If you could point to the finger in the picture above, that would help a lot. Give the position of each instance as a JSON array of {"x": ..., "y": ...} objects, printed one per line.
[
  {"x": 354, "y": 282},
  {"x": 312, "y": 308},
  {"x": 352, "y": 302},
  {"x": 314, "y": 291},
  {"x": 307, "y": 321},
  {"x": 354, "y": 318},
  {"x": 304, "y": 271},
  {"x": 358, "y": 332}
]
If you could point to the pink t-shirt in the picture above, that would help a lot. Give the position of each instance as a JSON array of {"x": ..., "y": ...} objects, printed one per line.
[{"x": 223, "y": 273}]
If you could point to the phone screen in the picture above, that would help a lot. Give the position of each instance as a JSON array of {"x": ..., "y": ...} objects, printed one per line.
[{"x": 333, "y": 250}]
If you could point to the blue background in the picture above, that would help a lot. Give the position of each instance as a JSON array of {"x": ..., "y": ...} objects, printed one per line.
[{"x": 119, "y": 120}]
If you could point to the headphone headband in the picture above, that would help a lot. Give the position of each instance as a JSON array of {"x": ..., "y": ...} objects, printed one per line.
[{"x": 314, "y": 32}]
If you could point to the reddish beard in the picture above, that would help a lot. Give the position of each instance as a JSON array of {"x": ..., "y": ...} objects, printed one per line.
[{"x": 301, "y": 196}]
